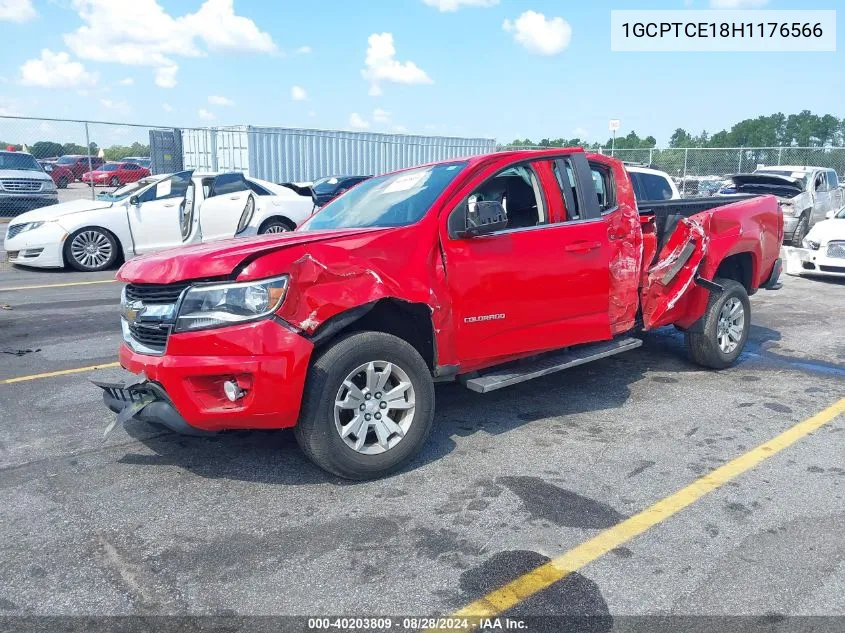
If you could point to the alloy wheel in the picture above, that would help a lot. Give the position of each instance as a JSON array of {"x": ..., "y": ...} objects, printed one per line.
[
  {"x": 91, "y": 249},
  {"x": 731, "y": 325}
]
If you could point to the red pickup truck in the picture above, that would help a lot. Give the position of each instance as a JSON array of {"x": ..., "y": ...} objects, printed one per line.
[{"x": 490, "y": 270}]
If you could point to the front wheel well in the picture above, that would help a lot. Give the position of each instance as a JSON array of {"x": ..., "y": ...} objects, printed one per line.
[
  {"x": 120, "y": 252},
  {"x": 279, "y": 218},
  {"x": 409, "y": 321},
  {"x": 740, "y": 268}
]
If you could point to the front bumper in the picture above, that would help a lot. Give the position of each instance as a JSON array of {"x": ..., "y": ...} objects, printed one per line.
[
  {"x": 789, "y": 225},
  {"x": 40, "y": 248},
  {"x": 804, "y": 261},
  {"x": 267, "y": 359},
  {"x": 12, "y": 204}
]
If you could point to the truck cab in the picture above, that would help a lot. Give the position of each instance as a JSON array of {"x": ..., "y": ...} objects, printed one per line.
[{"x": 489, "y": 270}]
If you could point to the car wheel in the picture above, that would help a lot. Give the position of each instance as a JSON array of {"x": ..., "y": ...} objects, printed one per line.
[
  {"x": 91, "y": 249},
  {"x": 62, "y": 184},
  {"x": 368, "y": 408},
  {"x": 115, "y": 181},
  {"x": 801, "y": 231},
  {"x": 727, "y": 322},
  {"x": 275, "y": 225}
]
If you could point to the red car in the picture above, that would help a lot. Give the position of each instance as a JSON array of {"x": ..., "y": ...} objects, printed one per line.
[
  {"x": 115, "y": 174},
  {"x": 62, "y": 176},
  {"x": 450, "y": 271}
]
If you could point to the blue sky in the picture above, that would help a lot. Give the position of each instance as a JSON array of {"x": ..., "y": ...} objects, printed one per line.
[{"x": 486, "y": 68}]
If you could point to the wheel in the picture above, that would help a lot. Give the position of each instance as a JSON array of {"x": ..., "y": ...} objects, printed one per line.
[
  {"x": 368, "y": 406},
  {"x": 115, "y": 181},
  {"x": 801, "y": 231},
  {"x": 275, "y": 225},
  {"x": 91, "y": 249},
  {"x": 62, "y": 184},
  {"x": 727, "y": 321}
]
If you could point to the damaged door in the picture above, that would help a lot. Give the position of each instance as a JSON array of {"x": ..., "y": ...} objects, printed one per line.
[{"x": 672, "y": 274}]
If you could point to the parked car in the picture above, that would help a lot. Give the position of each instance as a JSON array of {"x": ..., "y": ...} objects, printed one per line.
[
  {"x": 824, "y": 247},
  {"x": 79, "y": 164},
  {"x": 151, "y": 214},
  {"x": 62, "y": 176},
  {"x": 652, "y": 184},
  {"x": 115, "y": 174},
  {"x": 23, "y": 184},
  {"x": 327, "y": 189},
  {"x": 441, "y": 272},
  {"x": 806, "y": 195},
  {"x": 143, "y": 161}
]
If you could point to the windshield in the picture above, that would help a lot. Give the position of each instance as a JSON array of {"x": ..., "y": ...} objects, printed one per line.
[
  {"x": 396, "y": 199},
  {"x": 109, "y": 167},
  {"x": 326, "y": 185},
  {"x": 66, "y": 160},
  {"x": 126, "y": 190},
  {"x": 19, "y": 161}
]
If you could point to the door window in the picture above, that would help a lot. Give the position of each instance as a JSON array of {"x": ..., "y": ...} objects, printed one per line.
[
  {"x": 655, "y": 187},
  {"x": 174, "y": 187},
  {"x": 228, "y": 183},
  {"x": 518, "y": 190}
]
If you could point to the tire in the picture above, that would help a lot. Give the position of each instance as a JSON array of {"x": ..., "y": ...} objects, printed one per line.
[
  {"x": 275, "y": 225},
  {"x": 319, "y": 429},
  {"x": 103, "y": 253},
  {"x": 714, "y": 347},
  {"x": 115, "y": 181},
  {"x": 62, "y": 184},
  {"x": 801, "y": 231}
]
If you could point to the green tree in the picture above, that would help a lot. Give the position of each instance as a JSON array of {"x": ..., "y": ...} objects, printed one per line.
[{"x": 46, "y": 149}]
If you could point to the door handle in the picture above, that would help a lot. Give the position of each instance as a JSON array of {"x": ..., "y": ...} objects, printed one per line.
[
  {"x": 170, "y": 204},
  {"x": 234, "y": 197},
  {"x": 581, "y": 247}
]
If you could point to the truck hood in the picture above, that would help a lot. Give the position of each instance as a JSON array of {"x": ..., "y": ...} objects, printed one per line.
[
  {"x": 769, "y": 183},
  {"x": 29, "y": 174},
  {"x": 221, "y": 259},
  {"x": 56, "y": 211}
]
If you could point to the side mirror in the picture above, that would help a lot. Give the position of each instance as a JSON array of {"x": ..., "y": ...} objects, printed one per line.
[
  {"x": 481, "y": 217},
  {"x": 134, "y": 201}
]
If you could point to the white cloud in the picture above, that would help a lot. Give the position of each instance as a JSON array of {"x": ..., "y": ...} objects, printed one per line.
[
  {"x": 298, "y": 93},
  {"x": 126, "y": 81},
  {"x": 220, "y": 100},
  {"x": 448, "y": 6},
  {"x": 55, "y": 70},
  {"x": 16, "y": 10},
  {"x": 8, "y": 107},
  {"x": 538, "y": 34},
  {"x": 118, "y": 106},
  {"x": 357, "y": 123},
  {"x": 166, "y": 76},
  {"x": 381, "y": 116},
  {"x": 142, "y": 33},
  {"x": 167, "y": 107},
  {"x": 738, "y": 4},
  {"x": 401, "y": 129},
  {"x": 303, "y": 50},
  {"x": 381, "y": 65},
  {"x": 205, "y": 115},
  {"x": 580, "y": 132}
]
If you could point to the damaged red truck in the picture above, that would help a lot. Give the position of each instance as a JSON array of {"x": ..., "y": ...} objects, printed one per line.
[{"x": 490, "y": 270}]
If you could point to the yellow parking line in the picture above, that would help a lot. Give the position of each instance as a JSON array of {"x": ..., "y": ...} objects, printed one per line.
[
  {"x": 61, "y": 372},
  {"x": 518, "y": 590},
  {"x": 71, "y": 283}
]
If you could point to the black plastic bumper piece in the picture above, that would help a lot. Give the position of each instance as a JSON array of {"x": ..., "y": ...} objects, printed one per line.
[
  {"x": 147, "y": 402},
  {"x": 773, "y": 282}
]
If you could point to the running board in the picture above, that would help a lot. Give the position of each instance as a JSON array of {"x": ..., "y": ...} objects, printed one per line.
[{"x": 523, "y": 370}]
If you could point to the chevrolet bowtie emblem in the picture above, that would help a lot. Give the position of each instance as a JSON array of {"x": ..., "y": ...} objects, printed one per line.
[{"x": 132, "y": 311}]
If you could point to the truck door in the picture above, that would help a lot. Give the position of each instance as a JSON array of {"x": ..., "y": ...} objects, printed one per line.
[
  {"x": 822, "y": 200},
  {"x": 220, "y": 212},
  {"x": 155, "y": 215},
  {"x": 542, "y": 282}
]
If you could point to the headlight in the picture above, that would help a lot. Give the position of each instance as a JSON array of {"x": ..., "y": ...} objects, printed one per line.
[
  {"x": 812, "y": 245},
  {"x": 246, "y": 216},
  {"x": 48, "y": 185},
  {"x": 787, "y": 208},
  {"x": 216, "y": 305},
  {"x": 28, "y": 226}
]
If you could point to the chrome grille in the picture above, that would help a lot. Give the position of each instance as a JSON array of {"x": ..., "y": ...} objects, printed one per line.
[
  {"x": 836, "y": 249},
  {"x": 13, "y": 230},
  {"x": 151, "y": 332},
  {"x": 155, "y": 293},
  {"x": 21, "y": 185}
]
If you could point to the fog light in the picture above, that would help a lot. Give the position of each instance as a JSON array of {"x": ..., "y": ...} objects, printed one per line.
[{"x": 232, "y": 391}]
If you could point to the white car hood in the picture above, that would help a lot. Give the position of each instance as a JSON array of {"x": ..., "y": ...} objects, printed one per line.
[
  {"x": 56, "y": 211},
  {"x": 29, "y": 174},
  {"x": 827, "y": 231}
]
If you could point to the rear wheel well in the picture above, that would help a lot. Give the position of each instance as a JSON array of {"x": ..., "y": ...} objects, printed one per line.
[
  {"x": 740, "y": 268},
  {"x": 280, "y": 218},
  {"x": 409, "y": 321}
]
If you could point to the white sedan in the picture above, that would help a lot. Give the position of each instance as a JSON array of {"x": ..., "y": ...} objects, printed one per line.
[
  {"x": 824, "y": 248},
  {"x": 154, "y": 213}
]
